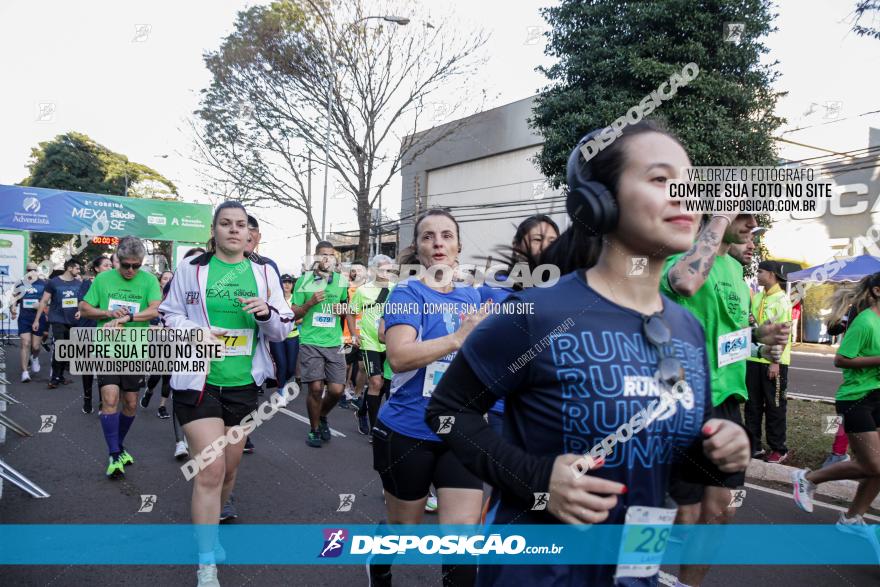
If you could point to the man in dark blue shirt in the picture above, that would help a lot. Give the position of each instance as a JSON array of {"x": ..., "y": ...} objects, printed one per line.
[{"x": 62, "y": 297}]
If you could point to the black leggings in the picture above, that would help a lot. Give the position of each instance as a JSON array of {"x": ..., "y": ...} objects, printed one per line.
[{"x": 153, "y": 380}]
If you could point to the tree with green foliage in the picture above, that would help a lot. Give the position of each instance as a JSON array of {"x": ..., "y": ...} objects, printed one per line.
[
  {"x": 867, "y": 8},
  {"x": 613, "y": 53},
  {"x": 75, "y": 162}
]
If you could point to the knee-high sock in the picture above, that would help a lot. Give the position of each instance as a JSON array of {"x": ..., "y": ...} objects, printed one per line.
[
  {"x": 373, "y": 402},
  {"x": 124, "y": 425},
  {"x": 110, "y": 426}
]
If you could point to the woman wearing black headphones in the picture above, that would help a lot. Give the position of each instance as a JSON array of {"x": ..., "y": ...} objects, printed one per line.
[{"x": 603, "y": 346}]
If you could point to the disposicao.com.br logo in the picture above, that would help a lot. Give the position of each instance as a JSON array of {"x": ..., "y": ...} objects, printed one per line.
[{"x": 444, "y": 545}]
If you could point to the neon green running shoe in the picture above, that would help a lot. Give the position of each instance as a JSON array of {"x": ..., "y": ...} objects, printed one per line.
[
  {"x": 115, "y": 470},
  {"x": 125, "y": 458}
]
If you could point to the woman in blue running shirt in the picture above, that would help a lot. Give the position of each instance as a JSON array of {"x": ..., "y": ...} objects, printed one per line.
[
  {"x": 426, "y": 321},
  {"x": 596, "y": 355}
]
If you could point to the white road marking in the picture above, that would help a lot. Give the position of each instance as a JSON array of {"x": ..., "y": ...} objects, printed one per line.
[
  {"x": 818, "y": 503},
  {"x": 820, "y": 370},
  {"x": 305, "y": 420}
]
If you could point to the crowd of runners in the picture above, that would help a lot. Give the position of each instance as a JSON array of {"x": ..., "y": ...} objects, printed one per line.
[{"x": 444, "y": 396}]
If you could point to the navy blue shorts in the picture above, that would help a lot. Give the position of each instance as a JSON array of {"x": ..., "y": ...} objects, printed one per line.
[{"x": 26, "y": 323}]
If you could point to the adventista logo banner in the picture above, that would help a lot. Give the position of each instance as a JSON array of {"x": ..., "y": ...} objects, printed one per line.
[{"x": 45, "y": 210}]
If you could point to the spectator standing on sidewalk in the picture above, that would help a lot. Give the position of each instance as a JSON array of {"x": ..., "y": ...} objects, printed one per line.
[{"x": 766, "y": 381}]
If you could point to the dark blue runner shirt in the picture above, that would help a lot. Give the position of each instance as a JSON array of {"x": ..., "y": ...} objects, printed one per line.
[
  {"x": 61, "y": 311},
  {"x": 568, "y": 390},
  {"x": 433, "y": 315},
  {"x": 83, "y": 290},
  {"x": 496, "y": 295},
  {"x": 30, "y": 300}
]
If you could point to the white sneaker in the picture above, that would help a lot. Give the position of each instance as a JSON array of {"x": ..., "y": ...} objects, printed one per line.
[
  {"x": 854, "y": 525},
  {"x": 803, "y": 490},
  {"x": 431, "y": 504},
  {"x": 207, "y": 575},
  {"x": 25, "y": 376},
  {"x": 180, "y": 451},
  {"x": 35, "y": 364}
]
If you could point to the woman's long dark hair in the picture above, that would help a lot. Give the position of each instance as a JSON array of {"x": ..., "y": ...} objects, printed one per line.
[
  {"x": 577, "y": 248},
  {"x": 518, "y": 251},
  {"x": 410, "y": 255},
  {"x": 212, "y": 244}
]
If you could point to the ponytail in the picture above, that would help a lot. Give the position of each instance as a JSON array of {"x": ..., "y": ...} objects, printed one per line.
[{"x": 858, "y": 297}]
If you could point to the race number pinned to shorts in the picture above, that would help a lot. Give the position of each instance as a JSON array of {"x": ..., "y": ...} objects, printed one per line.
[
  {"x": 29, "y": 304},
  {"x": 323, "y": 320},
  {"x": 69, "y": 303},
  {"x": 734, "y": 346},
  {"x": 130, "y": 307},
  {"x": 237, "y": 341},
  {"x": 433, "y": 373},
  {"x": 645, "y": 535}
]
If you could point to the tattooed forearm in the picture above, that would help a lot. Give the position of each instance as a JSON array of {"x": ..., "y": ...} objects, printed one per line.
[{"x": 689, "y": 273}]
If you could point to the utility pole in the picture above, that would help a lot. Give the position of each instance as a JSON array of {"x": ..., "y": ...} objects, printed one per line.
[{"x": 309, "y": 209}]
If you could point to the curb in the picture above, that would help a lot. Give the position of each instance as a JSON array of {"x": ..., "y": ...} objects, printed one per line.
[{"x": 844, "y": 490}]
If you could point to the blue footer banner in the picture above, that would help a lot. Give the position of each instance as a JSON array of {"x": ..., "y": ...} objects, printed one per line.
[{"x": 637, "y": 544}]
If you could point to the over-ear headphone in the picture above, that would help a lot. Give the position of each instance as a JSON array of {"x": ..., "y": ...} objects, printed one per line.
[{"x": 589, "y": 203}]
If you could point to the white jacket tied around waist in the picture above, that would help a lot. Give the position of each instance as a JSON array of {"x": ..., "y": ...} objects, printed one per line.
[{"x": 184, "y": 307}]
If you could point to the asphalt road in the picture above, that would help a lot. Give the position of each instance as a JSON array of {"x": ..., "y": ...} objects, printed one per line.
[
  {"x": 813, "y": 374},
  {"x": 284, "y": 481}
]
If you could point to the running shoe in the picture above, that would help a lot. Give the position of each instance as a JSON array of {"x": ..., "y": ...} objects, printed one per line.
[
  {"x": 66, "y": 381},
  {"x": 314, "y": 439},
  {"x": 431, "y": 504},
  {"x": 363, "y": 421},
  {"x": 207, "y": 575},
  {"x": 378, "y": 575},
  {"x": 35, "y": 364},
  {"x": 855, "y": 525},
  {"x": 53, "y": 384},
  {"x": 228, "y": 512},
  {"x": 162, "y": 413},
  {"x": 835, "y": 458},
  {"x": 803, "y": 490},
  {"x": 47, "y": 347},
  {"x": 324, "y": 430},
  {"x": 248, "y": 446},
  {"x": 87, "y": 405},
  {"x": 145, "y": 399},
  {"x": 25, "y": 377},
  {"x": 759, "y": 454},
  {"x": 344, "y": 403},
  {"x": 115, "y": 470},
  {"x": 777, "y": 457},
  {"x": 180, "y": 451},
  {"x": 126, "y": 458}
]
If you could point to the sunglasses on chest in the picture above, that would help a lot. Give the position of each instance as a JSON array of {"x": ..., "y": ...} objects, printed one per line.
[{"x": 657, "y": 332}]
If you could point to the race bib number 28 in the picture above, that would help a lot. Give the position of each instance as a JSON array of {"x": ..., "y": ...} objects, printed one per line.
[{"x": 645, "y": 536}]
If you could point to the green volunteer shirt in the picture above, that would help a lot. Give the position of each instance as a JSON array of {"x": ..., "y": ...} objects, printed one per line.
[
  {"x": 862, "y": 339},
  {"x": 320, "y": 326},
  {"x": 774, "y": 306},
  {"x": 110, "y": 291},
  {"x": 364, "y": 302},
  {"x": 226, "y": 283},
  {"x": 388, "y": 373},
  {"x": 722, "y": 307}
]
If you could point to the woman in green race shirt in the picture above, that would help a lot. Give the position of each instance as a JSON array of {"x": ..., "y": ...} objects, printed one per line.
[
  {"x": 122, "y": 298},
  {"x": 858, "y": 405},
  {"x": 242, "y": 302}
]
